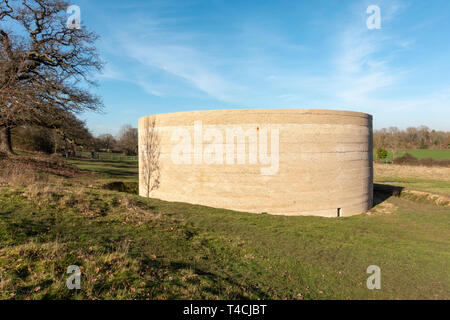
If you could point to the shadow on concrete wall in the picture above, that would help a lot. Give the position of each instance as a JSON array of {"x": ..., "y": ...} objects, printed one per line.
[
  {"x": 382, "y": 192},
  {"x": 149, "y": 153}
]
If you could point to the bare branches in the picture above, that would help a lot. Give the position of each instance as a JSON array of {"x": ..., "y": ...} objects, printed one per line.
[
  {"x": 6, "y": 43},
  {"x": 149, "y": 152},
  {"x": 128, "y": 140},
  {"x": 5, "y": 9},
  {"x": 411, "y": 138},
  {"x": 50, "y": 44},
  {"x": 43, "y": 64}
]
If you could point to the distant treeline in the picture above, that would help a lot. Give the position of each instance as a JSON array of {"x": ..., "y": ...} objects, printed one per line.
[
  {"x": 78, "y": 138},
  {"x": 74, "y": 140},
  {"x": 412, "y": 138}
]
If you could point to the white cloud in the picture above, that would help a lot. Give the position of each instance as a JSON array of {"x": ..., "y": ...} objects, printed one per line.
[
  {"x": 184, "y": 62},
  {"x": 110, "y": 73},
  {"x": 358, "y": 74},
  {"x": 361, "y": 71}
]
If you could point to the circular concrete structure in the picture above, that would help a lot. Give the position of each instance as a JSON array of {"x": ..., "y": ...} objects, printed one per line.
[{"x": 283, "y": 162}]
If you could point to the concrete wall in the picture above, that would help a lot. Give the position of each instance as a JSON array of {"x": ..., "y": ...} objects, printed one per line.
[{"x": 325, "y": 161}]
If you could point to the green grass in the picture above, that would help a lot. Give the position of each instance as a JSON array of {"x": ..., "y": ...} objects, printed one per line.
[
  {"x": 108, "y": 156},
  {"x": 420, "y": 154},
  {"x": 134, "y": 248},
  {"x": 436, "y": 186},
  {"x": 124, "y": 170}
]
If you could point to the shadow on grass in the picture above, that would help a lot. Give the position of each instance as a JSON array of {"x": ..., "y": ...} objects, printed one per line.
[
  {"x": 214, "y": 278},
  {"x": 382, "y": 192},
  {"x": 101, "y": 161},
  {"x": 109, "y": 170},
  {"x": 119, "y": 186},
  {"x": 27, "y": 290},
  {"x": 114, "y": 173}
]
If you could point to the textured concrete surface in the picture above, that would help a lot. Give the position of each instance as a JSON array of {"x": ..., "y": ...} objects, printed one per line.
[{"x": 325, "y": 165}]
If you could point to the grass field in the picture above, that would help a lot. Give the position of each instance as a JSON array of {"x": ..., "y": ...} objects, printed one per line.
[
  {"x": 432, "y": 179},
  {"x": 134, "y": 248},
  {"x": 123, "y": 170},
  {"x": 107, "y": 156},
  {"x": 420, "y": 154}
]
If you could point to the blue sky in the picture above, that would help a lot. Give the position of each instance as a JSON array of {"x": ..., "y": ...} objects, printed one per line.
[{"x": 169, "y": 56}]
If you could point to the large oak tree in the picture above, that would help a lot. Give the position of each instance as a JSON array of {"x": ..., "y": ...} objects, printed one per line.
[{"x": 45, "y": 66}]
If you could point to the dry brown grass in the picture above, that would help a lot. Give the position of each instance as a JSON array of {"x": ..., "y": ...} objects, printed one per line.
[
  {"x": 89, "y": 202},
  {"x": 35, "y": 261},
  {"x": 421, "y": 196},
  {"x": 25, "y": 170},
  {"x": 384, "y": 207},
  {"x": 23, "y": 257},
  {"x": 16, "y": 174},
  {"x": 412, "y": 172}
]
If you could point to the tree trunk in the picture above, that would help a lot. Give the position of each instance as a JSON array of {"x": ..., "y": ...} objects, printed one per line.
[
  {"x": 55, "y": 142},
  {"x": 5, "y": 140}
]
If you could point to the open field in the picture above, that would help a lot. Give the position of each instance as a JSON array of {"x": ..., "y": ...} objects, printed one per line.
[
  {"x": 134, "y": 248},
  {"x": 432, "y": 179},
  {"x": 123, "y": 170},
  {"x": 108, "y": 156},
  {"x": 421, "y": 154}
]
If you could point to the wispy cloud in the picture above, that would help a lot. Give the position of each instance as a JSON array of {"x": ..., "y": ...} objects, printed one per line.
[
  {"x": 187, "y": 63},
  {"x": 363, "y": 69},
  {"x": 110, "y": 72},
  {"x": 253, "y": 66},
  {"x": 360, "y": 72}
]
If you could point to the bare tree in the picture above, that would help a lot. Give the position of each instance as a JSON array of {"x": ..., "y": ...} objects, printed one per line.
[
  {"x": 105, "y": 142},
  {"x": 411, "y": 138},
  {"x": 43, "y": 64},
  {"x": 128, "y": 140},
  {"x": 393, "y": 131},
  {"x": 149, "y": 150}
]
